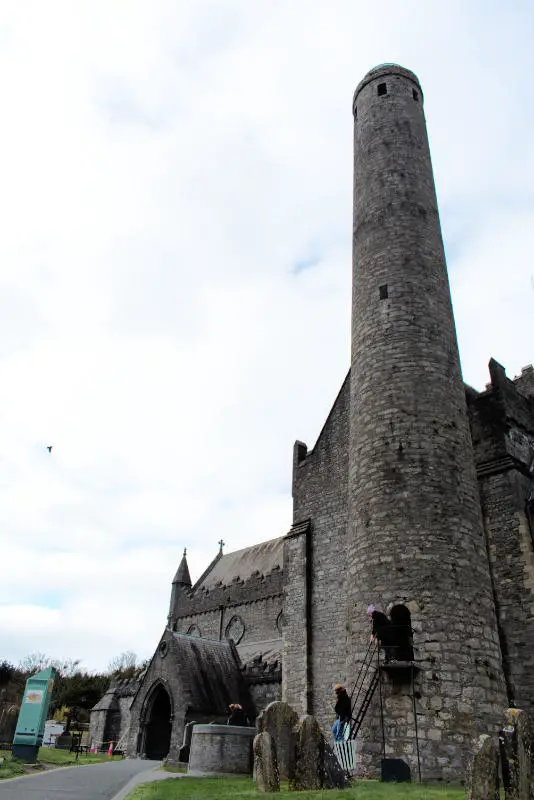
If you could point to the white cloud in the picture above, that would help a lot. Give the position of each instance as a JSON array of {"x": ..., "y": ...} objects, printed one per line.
[{"x": 164, "y": 168}]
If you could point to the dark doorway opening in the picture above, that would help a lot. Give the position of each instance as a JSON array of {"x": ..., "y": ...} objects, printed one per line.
[
  {"x": 402, "y": 634},
  {"x": 158, "y": 726}
]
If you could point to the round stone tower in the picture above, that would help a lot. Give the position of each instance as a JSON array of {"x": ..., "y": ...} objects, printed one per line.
[{"x": 415, "y": 532}]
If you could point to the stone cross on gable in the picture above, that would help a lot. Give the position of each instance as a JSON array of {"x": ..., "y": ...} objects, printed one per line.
[{"x": 221, "y": 545}]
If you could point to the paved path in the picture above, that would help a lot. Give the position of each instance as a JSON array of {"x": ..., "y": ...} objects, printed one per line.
[{"x": 94, "y": 782}]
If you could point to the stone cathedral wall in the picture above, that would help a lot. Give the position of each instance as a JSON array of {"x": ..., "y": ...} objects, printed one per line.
[
  {"x": 315, "y": 569},
  {"x": 502, "y": 426}
]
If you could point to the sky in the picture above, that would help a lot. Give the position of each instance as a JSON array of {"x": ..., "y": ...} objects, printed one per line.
[{"x": 175, "y": 273}]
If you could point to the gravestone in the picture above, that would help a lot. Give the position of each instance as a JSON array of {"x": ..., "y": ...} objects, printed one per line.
[
  {"x": 265, "y": 765},
  {"x": 516, "y": 754},
  {"x": 483, "y": 776},
  {"x": 309, "y": 768},
  {"x": 279, "y": 720}
]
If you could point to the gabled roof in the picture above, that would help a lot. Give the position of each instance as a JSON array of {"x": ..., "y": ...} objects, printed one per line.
[
  {"x": 213, "y": 674},
  {"x": 242, "y": 564},
  {"x": 107, "y": 702}
]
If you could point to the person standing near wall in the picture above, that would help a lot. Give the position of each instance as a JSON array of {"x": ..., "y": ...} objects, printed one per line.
[{"x": 343, "y": 712}]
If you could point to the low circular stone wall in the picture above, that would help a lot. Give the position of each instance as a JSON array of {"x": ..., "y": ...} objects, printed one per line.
[{"x": 221, "y": 748}]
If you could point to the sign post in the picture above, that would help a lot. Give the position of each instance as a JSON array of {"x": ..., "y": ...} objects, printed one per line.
[{"x": 32, "y": 716}]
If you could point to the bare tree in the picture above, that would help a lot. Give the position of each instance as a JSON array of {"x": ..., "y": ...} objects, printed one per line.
[
  {"x": 125, "y": 662},
  {"x": 67, "y": 667},
  {"x": 34, "y": 662}
]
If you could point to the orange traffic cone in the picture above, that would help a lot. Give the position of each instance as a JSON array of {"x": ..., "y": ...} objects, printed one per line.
[{"x": 110, "y": 749}]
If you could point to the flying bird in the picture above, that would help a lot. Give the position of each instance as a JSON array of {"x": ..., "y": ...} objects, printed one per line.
[{"x": 49, "y": 447}]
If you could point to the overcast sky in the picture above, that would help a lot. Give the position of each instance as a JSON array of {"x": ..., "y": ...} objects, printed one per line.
[{"x": 175, "y": 272}]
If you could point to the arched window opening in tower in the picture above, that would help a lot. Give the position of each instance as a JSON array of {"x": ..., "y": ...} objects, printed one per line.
[
  {"x": 401, "y": 633},
  {"x": 194, "y": 630},
  {"x": 382, "y": 89},
  {"x": 415, "y": 95},
  {"x": 383, "y": 291}
]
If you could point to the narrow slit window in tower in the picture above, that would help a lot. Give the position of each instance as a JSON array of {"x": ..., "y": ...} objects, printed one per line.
[
  {"x": 415, "y": 95},
  {"x": 383, "y": 291},
  {"x": 382, "y": 89}
]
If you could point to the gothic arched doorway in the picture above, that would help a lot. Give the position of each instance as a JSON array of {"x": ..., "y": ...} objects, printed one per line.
[{"x": 158, "y": 725}]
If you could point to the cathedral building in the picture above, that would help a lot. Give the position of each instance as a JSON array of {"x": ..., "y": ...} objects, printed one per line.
[{"x": 417, "y": 497}]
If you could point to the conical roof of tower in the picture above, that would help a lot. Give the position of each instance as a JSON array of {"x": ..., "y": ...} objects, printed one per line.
[{"x": 182, "y": 573}]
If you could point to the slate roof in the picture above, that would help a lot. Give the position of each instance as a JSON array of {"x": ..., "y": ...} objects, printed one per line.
[
  {"x": 266, "y": 651},
  {"x": 212, "y": 673},
  {"x": 242, "y": 564},
  {"x": 182, "y": 573},
  {"x": 108, "y": 702}
]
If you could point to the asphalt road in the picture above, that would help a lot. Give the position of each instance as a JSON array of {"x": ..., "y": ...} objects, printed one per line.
[{"x": 95, "y": 782}]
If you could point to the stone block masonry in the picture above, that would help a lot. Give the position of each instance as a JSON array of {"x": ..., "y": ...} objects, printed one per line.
[{"x": 415, "y": 528}]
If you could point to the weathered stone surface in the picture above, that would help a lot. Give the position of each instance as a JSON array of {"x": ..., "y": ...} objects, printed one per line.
[
  {"x": 265, "y": 764},
  {"x": 516, "y": 754},
  {"x": 483, "y": 773},
  {"x": 279, "y": 720},
  {"x": 309, "y": 768},
  {"x": 225, "y": 749}
]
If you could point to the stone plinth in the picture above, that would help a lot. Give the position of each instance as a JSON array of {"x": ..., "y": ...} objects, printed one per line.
[{"x": 225, "y": 749}]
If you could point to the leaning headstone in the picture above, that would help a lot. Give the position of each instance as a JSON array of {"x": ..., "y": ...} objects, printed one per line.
[
  {"x": 309, "y": 768},
  {"x": 483, "y": 776},
  {"x": 265, "y": 767},
  {"x": 279, "y": 719},
  {"x": 516, "y": 754}
]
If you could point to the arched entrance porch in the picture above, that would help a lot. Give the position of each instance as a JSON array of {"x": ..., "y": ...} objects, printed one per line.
[{"x": 157, "y": 724}]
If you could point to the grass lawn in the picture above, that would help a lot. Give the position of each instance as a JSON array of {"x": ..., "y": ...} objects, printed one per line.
[
  {"x": 64, "y": 758},
  {"x": 49, "y": 757},
  {"x": 9, "y": 768},
  {"x": 244, "y": 789}
]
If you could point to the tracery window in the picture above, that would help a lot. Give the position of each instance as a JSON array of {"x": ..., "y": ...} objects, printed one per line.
[{"x": 235, "y": 629}]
